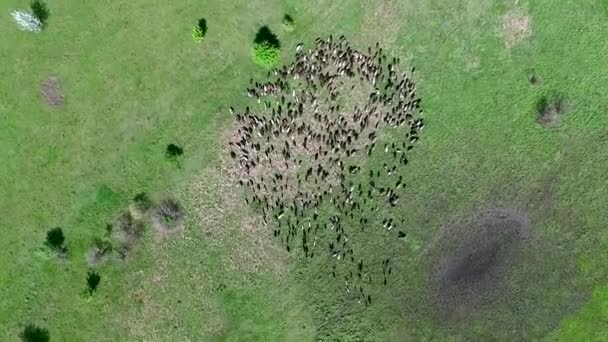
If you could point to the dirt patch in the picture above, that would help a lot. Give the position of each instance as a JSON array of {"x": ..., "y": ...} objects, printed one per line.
[
  {"x": 229, "y": 225},
  {"x": 473, "y": 259},
  {"x": 516, "y": 27},
  {"x": 550, "y": 110},
  {"x": 51, "y": 92}
]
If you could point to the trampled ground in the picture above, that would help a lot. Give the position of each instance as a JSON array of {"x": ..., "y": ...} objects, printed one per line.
[{"x": 88, "y": 106}]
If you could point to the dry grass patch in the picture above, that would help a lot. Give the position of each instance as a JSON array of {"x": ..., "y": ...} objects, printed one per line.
[
  {"x": 516, "y": 27},
  {"x": 51, "y": 92}
]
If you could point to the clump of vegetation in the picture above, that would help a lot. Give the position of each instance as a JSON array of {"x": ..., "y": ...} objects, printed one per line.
[
  {"x": 27, "y": 21},
  {"x": 199, "y": 31},
  {"x": 40, "y": 10},
  {"x": 288, "y": 23},
  {"x": 174, "y": 153},
  {"x": 34, "y": 333},
  {"x": 55, "y": 241},
  {"x": 169, "y": 215},
  {"x": 125, "y": 233},
  {"x": 93, "y": 280},
  {"x": 141, "y": 204},
  {"x": 550, "y": 110},
  {"x": 266, "y": 48},
  {"x": 99, "y": 251}
]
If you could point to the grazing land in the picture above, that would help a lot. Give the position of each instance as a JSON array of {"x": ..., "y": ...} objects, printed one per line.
[{"x": 123, "y": 216}]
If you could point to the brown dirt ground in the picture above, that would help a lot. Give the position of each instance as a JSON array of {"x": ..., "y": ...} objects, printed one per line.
[{"x": 51, "y": 92}]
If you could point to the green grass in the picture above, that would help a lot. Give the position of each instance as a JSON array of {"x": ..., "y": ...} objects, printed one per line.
[{"x": 134, "y": 82}]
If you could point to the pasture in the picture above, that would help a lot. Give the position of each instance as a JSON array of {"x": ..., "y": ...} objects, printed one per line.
[{"x": 514, "y": 93}]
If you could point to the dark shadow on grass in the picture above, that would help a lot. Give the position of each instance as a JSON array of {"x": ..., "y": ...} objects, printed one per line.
[
  {"x": 174, "y": 151},
  {"x": 34, "y": 333},
  {"x": 202, "y": 25},
  {"x": 93, "y": 280},
  {"x": 266, "y": 35},
  {"x": 40, "y": 10}
]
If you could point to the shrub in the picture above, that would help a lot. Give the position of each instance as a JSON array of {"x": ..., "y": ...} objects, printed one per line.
[
  {"x": 40, "y": 10},
  {"x": 199, "y": 31},
  {"x": 93, "y": 280},
  {"x": 55, "y": 239},
  {"x": 98, "y": 251},
  {"x": 173, "y": 153},
  {"x": 288, "y": 23},
  {"x": 266, "y": 48},
  {"x": 124, "y": 233},
  {"x": 169, "y": 215},
  {"x": 27, "y": 21},
  {"x": 33, "y": 333},
  {"x": 141, "y": 202}
]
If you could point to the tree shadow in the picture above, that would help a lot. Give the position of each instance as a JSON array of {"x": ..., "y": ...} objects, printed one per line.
[
  {"x": 265, "y": 35},
  {"x": 34, "y": 333},
  {"x": 174, "y": 151},
  {"x": 93, "y": 280},
  {"x": 40, "y": 10},
  {"x": 202, "y": 25},
  {"x": 55, "y": 238}
]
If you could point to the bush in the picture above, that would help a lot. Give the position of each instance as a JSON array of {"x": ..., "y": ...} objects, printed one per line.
[
  {"x": 55, "y": 239},
  {"x": 141, "y": 202},
  {"x": 98, "y": 251},
  {"x": 288, "y": 23},
  {"x": 169, "y": 215},
  {"x": 266, "y": 48},
  {"x": 40, "y": 11},
  {"x": 173, "y": 153},
  {"x": 27, "y": 21},
  {"x": 33, "y": 333},
  {"x": 93, "y": 280},
  {"x": 199, "y": 31}
]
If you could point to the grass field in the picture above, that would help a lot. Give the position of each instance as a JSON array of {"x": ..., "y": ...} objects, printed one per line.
[{"x": 134, "y": 81}]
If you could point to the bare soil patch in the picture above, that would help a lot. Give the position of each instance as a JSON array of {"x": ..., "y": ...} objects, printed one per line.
[
  {"x": 51, "y": 92},
  {"x": 516, "y": 27}
]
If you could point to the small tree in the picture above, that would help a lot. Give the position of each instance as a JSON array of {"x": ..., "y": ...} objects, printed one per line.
[
  {"x": 288, "y": 23},
  {"x": 27, "y": 21},
  {"x": 33, "y": 333},
  {"x": 55, "y": 239},
  {"x": 199, "y": 31},
  {"x": 93, "y": 280},
  {"x": 40, "y": 10},
  {"x": 266, "y": 48}
]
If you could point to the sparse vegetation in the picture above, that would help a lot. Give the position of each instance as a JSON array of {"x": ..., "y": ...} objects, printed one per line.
[
  {"x": 550, "y": 110},
  {"x": 142, "y": 203},
  {"x": 99, "y": 251},
  {"x": 125, "y": 233},
  {"x": 34, "y": 333},
  {"x": 169, "y": 215},
  {"x": 288, "y": 23}
]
